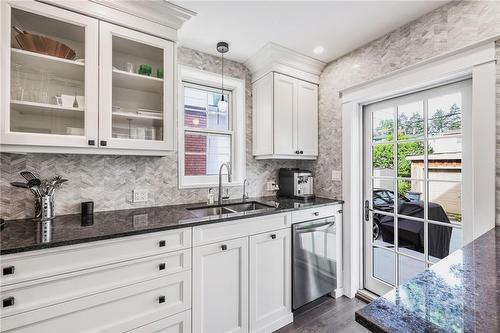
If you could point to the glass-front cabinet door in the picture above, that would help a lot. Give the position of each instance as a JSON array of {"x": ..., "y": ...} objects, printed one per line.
[
  {"x": 136, "y": 90},
  {"x": 49, "y": 76}
]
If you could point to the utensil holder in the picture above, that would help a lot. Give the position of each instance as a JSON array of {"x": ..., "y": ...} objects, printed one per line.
[{"x": 44, "y": 208}]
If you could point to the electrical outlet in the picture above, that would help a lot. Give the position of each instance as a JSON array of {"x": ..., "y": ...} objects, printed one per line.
[
  {"x": 272, "y": 186},
  {"x": 336, "y": 175},
  {"x": 139, "y": 195},
  {"x": 140, "y": 220}
]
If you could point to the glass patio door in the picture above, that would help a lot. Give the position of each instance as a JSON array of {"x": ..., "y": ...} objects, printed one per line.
[{"x": 416, "y": 159}]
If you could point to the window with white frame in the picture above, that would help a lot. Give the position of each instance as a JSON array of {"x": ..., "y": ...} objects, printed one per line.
[
  {"x": 208, "y": 136},
  {"x": 207, "y": 131}
]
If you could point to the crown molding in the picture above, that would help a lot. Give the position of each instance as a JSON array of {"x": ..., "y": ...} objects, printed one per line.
[
  {"x": 155, "y": 17},
  {"x": 159, "y": 11},
  {"x": 276, "y": 58}
]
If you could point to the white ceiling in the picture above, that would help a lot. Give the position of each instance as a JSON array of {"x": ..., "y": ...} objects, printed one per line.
[{"x": 338, "y": 26}]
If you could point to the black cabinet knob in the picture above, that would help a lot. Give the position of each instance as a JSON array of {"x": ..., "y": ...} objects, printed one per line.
[
  {"x": 302, "y": 152},
  {"x": 104, "y": 143},
  {"x": 8, "y": 270},
  {"x": 91, "y": 142},
  {"x": 161, "y": 266},
  {"x": 273, "y": 236},
  {"x": 316, "y": 213},
  {"x": 161, "y": 299},
  {"x": 223, "y": 247},
  {"x": 162, "y": 243},
  {"x": 9, "y": 301},
  {"x": 297, "y": 152}
]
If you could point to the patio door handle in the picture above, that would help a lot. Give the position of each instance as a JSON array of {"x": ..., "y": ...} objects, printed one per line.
[{"x": 367, "y": 210}]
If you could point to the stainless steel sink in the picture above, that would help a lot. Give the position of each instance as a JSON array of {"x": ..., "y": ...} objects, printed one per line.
[
  {"x": 229, "y": 208},
  {"x": 248, "y": 206}
]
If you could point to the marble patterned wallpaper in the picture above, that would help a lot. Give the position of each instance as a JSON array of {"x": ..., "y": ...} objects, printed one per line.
[
  {"x": 109, "y": 180},
  {"x": 447, "y": 28}
]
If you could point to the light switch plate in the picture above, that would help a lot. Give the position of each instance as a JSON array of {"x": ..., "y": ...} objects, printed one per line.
[
  {"x": 272, "y": 186},
  {"x": 336, "y": 175},
  {"x": 139, "y": 195}
]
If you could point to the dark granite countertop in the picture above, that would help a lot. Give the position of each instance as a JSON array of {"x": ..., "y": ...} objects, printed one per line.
[
  {"x": 29, "y": 234},
  {"x": 460, "y": 293}
]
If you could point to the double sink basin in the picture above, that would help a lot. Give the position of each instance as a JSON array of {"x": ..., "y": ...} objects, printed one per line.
[{"x": 230, "y": 208}]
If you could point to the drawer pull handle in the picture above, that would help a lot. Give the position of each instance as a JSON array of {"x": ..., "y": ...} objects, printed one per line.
[
  {"x": 223, "y": 247},
  {"x": 162, "y": 243},
  {"x": 316, "y": 213},
  {"x": 8, "y": 270},
  {"x": 9, "y": 301},
  {"x": 161, "y": 299},
  {"x": 273, "y": 236},
  {"x": 161, "y": 266}
]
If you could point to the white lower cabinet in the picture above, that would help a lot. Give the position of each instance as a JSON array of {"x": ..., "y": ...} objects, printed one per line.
[
  {"x": 220, "y": 287},
  {"x": 243, "y": 284},
  {"x": 270, "y": 281},
  {"x": 179, "y": 323}
]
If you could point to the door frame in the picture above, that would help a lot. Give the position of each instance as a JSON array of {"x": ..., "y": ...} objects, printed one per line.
[{"x": 476, "y": 61}]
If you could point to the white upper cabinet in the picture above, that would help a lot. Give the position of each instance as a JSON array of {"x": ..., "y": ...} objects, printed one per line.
[
  {"x": 307, "y": 118},
  {"x": 49, "y": 76},
  {"x": 136, "y": 90},
  {"x": 71, "y": 83},
  {"x": 286, "y": 120},
  {"x": 285, "y": 103}
]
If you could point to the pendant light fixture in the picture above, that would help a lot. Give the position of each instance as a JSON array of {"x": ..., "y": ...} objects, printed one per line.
[{"x": 222, "y": 47}]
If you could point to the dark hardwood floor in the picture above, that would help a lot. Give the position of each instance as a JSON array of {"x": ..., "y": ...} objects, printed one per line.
[{"x": 326, "y": 315}]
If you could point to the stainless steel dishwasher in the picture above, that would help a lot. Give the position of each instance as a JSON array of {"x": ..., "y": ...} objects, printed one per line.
[{"x": 314, "y": 260}]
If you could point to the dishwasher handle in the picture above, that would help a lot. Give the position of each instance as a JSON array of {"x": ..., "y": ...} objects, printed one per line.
[{"x": 318, "y": 227}]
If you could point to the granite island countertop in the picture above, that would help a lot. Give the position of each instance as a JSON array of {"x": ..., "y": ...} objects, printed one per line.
[
  {"x": 30, "y": 234},
  {"x": 460, "y": 293}
]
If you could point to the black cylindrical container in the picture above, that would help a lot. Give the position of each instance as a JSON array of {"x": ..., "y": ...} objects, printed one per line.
[{"x": 87, "y": 213}]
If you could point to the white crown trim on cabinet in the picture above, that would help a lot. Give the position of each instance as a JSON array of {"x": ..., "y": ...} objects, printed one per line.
[{"x": 275, "y": 58}]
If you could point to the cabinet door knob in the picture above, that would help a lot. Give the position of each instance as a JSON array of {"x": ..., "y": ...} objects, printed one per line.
[
  {"x": 162, "y": 243},
  {"x": 161, "y": 266},
  {"x": 302, "y": 152},
  {"x": 8, "y": 270},
  {"x": 104, "y": 143},
  {"x": 223, "y": 247},
  {"x": 91, "y": 142},
  {"x": 316, "y": 213},
  {"x": 273, "y": 236},
  {"x": 161, "y": 299},
  {"x": 9, "y": 301},
  {"x": 297, "y": 152}
]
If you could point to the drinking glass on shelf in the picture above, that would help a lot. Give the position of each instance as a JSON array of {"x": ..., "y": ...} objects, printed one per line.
[
  {"x": 130, "y": 67},
  {"x": 18, "y": 82}
]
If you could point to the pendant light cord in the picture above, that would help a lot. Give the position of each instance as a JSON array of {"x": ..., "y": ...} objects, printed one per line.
[{"x": 222, "y": 76}]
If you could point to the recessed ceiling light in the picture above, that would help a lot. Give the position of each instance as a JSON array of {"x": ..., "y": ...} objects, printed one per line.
[{"x": 318, "y": 49}]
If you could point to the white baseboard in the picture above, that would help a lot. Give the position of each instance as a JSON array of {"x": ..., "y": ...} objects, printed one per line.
[
  {"x": 275, "y": 325},
  {"x": 337, "y": 293}
]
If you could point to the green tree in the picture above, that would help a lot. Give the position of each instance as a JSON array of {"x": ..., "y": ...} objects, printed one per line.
[{"x": 383, "y": 158}]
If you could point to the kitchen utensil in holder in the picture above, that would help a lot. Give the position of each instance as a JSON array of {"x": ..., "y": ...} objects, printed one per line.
[{"x": 44, "y": 208}]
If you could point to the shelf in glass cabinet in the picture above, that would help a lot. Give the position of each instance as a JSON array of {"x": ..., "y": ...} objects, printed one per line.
[
  {"x": 64, "y": 68},
  {"x": 138, "y": 82}
]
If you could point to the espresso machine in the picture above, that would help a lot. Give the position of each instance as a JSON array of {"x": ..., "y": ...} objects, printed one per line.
[{"x": 296, "y": 184}]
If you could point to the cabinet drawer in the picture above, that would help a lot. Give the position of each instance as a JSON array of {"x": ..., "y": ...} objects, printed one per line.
[
  {"x": 43, "y": 263},
  {"x": 314, "y": 213},
  {"x": 212, "y": 233},
  {"x": 179, "y": 323},
  {"x": 117, "y": 310},
  {"x": 61, "y": 288}
]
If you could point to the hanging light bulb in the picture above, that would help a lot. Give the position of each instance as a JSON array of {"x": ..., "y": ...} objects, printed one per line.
[{"x": 222, "y": 47}]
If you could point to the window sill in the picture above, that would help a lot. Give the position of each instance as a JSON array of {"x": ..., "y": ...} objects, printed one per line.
[{"x": 209, "y": 185}]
